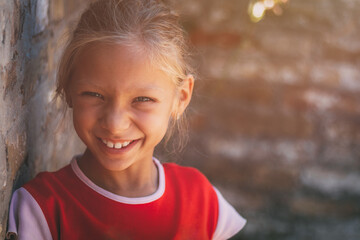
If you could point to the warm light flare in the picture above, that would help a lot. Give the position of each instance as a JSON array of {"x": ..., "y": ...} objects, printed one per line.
[
  {"x": 277, "y": 10},
  {"x": 258, "y": 8},
  {"x": 269, "y": 4}
]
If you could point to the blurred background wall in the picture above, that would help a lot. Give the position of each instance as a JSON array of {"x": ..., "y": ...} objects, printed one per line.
[{"x": 274, "y": 122}]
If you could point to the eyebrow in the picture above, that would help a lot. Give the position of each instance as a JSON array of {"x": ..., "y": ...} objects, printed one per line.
[
  {"x": 87, "y": 83},
  {"x": 141, "y": 88},
  {"x": 149, "y": 88}
]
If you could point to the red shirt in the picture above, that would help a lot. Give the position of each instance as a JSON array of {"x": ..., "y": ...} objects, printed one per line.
[
  {"x": 67, "y": 205},
  {"x": 188, "y": 208}
]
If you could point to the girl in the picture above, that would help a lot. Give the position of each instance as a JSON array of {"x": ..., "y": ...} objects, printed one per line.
[{"x": 125, "y": 77}]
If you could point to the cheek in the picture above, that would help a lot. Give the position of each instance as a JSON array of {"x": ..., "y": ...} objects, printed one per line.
[
  {"x": 83, "y": 116},
  {"x": 155, "y": 123}
]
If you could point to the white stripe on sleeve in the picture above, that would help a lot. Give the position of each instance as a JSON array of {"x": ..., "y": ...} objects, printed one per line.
[
  {"x": 229, "y": 222},
  {"x": 26, "y": 218}
]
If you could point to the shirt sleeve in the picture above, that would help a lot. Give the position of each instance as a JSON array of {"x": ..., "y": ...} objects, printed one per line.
[
  {"x": 26, "y": 219},
  {"x": 229, "y": 222}
]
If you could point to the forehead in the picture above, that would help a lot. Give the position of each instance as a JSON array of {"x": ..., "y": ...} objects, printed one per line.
[{"x": 113, "y": 64}]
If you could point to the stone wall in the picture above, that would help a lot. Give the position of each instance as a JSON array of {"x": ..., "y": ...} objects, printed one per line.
[
  {"x": 275, "y": 120},
  {"x": 31, "y": 38}
]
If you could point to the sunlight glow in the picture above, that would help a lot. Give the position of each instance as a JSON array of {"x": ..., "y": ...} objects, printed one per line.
[
  {"x": 258, "y": 8},
  {"x": 269, "y": 4}
]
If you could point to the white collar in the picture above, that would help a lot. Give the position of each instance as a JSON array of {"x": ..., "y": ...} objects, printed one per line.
[{"x": 127, "y": 200}]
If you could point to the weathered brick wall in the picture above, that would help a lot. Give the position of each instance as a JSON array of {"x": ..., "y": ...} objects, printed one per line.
[
  {"x": 275, "y": 119},
  {"x": 31, "y": 37}
]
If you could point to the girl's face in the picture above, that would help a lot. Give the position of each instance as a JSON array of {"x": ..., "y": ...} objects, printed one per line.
[{"x": 122, "y": 104}]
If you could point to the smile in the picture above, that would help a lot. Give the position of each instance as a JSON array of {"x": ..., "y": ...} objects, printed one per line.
[{"x": 116, "y": 145}]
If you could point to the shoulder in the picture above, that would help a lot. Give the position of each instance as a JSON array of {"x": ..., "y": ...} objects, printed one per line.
[
  {"x": 26, "y": 218},
  {"x": 174, "y": 170},
  {"x": 189, "y": 183},
  {"x": 45, "y": 183},
  {"x": 190, "y": 191},
  {"x": 34, "y": 206},
  {"x": 229, "y": 221},
  {"x": 51, "y": 176}
]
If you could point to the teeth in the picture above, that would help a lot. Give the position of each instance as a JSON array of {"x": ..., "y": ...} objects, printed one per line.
[
  {"x": 110, "y": 144},
  {"x": 117, "y": 145}
]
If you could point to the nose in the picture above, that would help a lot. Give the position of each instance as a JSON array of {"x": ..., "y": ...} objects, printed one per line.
[{"x": 116, "y": 119}]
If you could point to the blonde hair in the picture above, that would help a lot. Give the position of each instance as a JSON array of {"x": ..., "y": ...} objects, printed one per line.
[{"x": 146, "y": 26}]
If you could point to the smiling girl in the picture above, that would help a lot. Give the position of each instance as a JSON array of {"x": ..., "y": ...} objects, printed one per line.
[{"x": 125, "y": 76}]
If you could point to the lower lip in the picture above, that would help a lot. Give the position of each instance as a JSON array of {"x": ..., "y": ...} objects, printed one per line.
[{"x": 120, "y": 150}]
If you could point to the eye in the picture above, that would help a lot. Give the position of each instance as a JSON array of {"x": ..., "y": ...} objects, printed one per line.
[
  {"x": 93, "y": 94},
  {"x": 143, "y": 99}
]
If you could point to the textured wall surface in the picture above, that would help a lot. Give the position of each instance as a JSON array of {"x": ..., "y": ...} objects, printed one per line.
[
  {"x": 31, "y": 36},
  {"x": 275, "y": 119}
]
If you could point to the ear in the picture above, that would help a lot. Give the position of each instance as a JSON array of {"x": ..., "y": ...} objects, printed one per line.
[{"x": 185, "y": 93}]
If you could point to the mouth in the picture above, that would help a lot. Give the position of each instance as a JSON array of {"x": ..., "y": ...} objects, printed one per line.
[{"x": 116, "y": 144}]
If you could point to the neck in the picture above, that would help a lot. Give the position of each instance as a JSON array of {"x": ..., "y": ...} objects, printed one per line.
[{"x": 138, "y": 180}]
